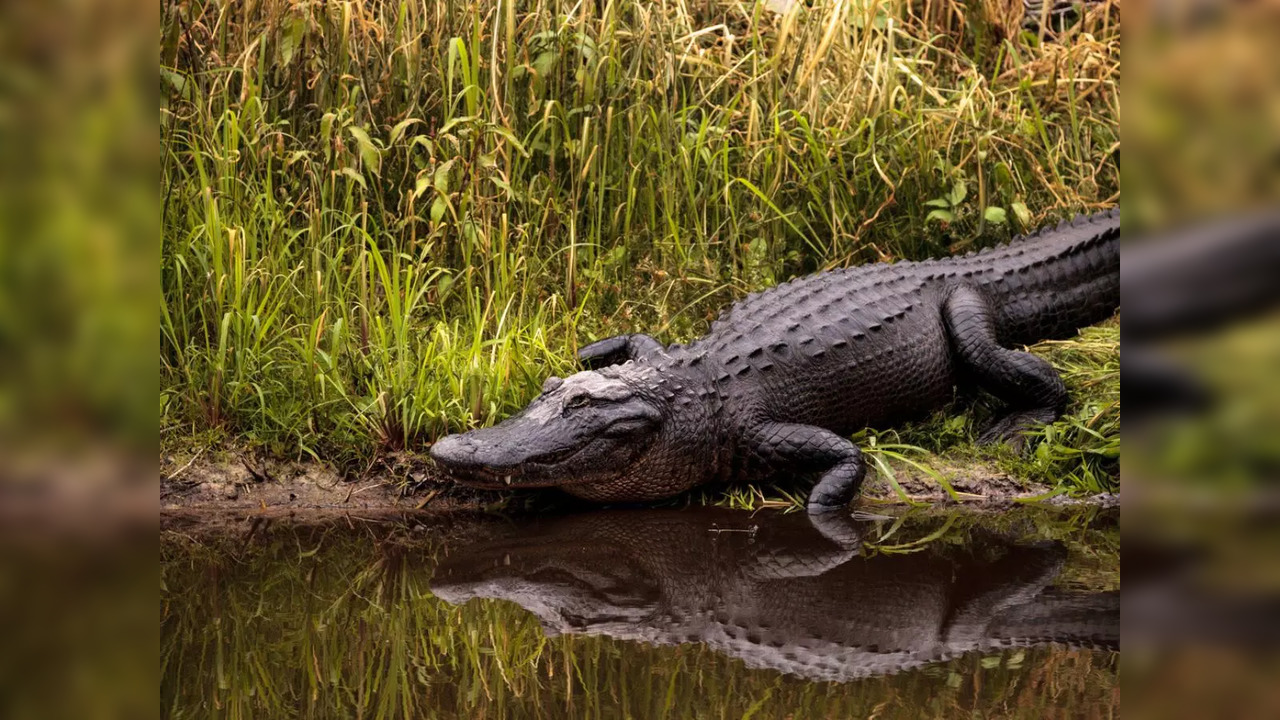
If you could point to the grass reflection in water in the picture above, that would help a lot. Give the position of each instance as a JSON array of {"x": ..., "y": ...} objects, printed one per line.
[{"x": 339, "y": 620}]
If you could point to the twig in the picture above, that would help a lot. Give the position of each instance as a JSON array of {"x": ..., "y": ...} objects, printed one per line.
[
  {"x": 370, "y": 486},
  {"x": 183, "y": 469},
  {"x": 430, "y": 496},
  {"x": 262, "y": 475}
]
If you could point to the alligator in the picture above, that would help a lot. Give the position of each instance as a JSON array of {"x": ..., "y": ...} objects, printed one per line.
[
  {"x": 786, "y": 375},
  {"x": 768, "y": 589}
]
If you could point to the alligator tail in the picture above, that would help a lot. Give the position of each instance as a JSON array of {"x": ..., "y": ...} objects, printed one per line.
[{"x": 1049, "y": 284}]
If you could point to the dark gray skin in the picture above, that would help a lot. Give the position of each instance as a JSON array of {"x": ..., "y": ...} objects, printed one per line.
[
  {"x": 785, "y": 375},
  {"x": 775, "y": 592}
]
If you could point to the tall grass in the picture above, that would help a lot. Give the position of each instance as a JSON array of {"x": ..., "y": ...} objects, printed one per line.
[{"x": 385, "y": 220}]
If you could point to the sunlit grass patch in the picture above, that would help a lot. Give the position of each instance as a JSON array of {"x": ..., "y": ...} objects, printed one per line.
[{"x": 1080, "y": 452}]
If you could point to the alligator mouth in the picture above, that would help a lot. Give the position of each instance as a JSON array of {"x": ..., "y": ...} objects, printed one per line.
[{"x": 528, "y": 474}]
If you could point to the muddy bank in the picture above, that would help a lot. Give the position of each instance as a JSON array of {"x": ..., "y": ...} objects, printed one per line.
[{"x": 233, "y": 491}]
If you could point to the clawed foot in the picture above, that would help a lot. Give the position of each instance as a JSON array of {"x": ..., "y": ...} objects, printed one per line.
[
  {"x": 1012, "y": 429},
  {"x": 617, "y": 350}
]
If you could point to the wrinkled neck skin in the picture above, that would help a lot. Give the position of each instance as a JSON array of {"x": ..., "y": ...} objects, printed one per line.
[{"x": 691, "y": 447}]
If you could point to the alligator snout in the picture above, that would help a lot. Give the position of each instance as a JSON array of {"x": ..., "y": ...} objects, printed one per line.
[
  {"x": 454, "y": 451},
  {"x": 475, "y": 461}
]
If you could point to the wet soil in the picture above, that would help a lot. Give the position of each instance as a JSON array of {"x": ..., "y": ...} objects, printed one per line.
[{"x": 231, "y": 491}]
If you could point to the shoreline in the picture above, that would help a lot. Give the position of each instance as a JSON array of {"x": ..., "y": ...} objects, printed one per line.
[{"x": 241, "y": 493}]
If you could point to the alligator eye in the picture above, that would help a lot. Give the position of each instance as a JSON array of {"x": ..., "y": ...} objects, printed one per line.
[{"x": 577, "y": 401}]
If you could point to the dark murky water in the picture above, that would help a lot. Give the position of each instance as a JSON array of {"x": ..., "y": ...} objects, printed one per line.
[{"x": 648, "y": 613}]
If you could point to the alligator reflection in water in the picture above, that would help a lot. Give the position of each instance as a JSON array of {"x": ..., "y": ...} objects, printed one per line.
[{"x": 777, "y": 592}]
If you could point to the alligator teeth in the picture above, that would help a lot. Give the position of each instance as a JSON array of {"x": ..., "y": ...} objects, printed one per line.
[{"x": 507, "y": 479}]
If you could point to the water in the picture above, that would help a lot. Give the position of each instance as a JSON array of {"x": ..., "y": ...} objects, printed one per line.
[{"x": 647, "y": 613}]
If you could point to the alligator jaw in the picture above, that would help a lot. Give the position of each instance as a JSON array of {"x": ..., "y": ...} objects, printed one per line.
[
  {"x": 485, "y": 480},
  {"x": 457, "y": 458}
]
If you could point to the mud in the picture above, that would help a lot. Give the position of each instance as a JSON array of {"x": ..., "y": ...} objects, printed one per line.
[{"x": 240, "y": 490}]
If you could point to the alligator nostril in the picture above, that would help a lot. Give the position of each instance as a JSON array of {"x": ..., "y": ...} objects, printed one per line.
[{"x": 551, "y": 384}]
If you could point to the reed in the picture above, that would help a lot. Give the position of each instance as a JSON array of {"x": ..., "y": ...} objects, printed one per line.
[{"x": 387, "y": 220}]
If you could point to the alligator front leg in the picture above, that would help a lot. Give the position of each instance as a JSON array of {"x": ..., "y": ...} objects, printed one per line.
[
  {"x": 1029, "y": 384},
  {"x": 617, "y": 350},
  {"x": 808, "y": 449}
]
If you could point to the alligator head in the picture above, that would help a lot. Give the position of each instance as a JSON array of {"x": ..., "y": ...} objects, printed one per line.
[
  {"x": 592, "y": 429},
  {"x": 569, "y": 585}
]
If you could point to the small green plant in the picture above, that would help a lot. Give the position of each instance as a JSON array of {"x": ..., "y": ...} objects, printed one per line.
[{"x": 946, "y": 208}]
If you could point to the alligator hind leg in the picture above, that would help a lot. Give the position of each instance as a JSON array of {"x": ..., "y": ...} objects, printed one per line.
[
  {"x": 1031, "y": 387},
  {"x": 617, "y": 350},
  {"x": 806, "y": 448}
]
